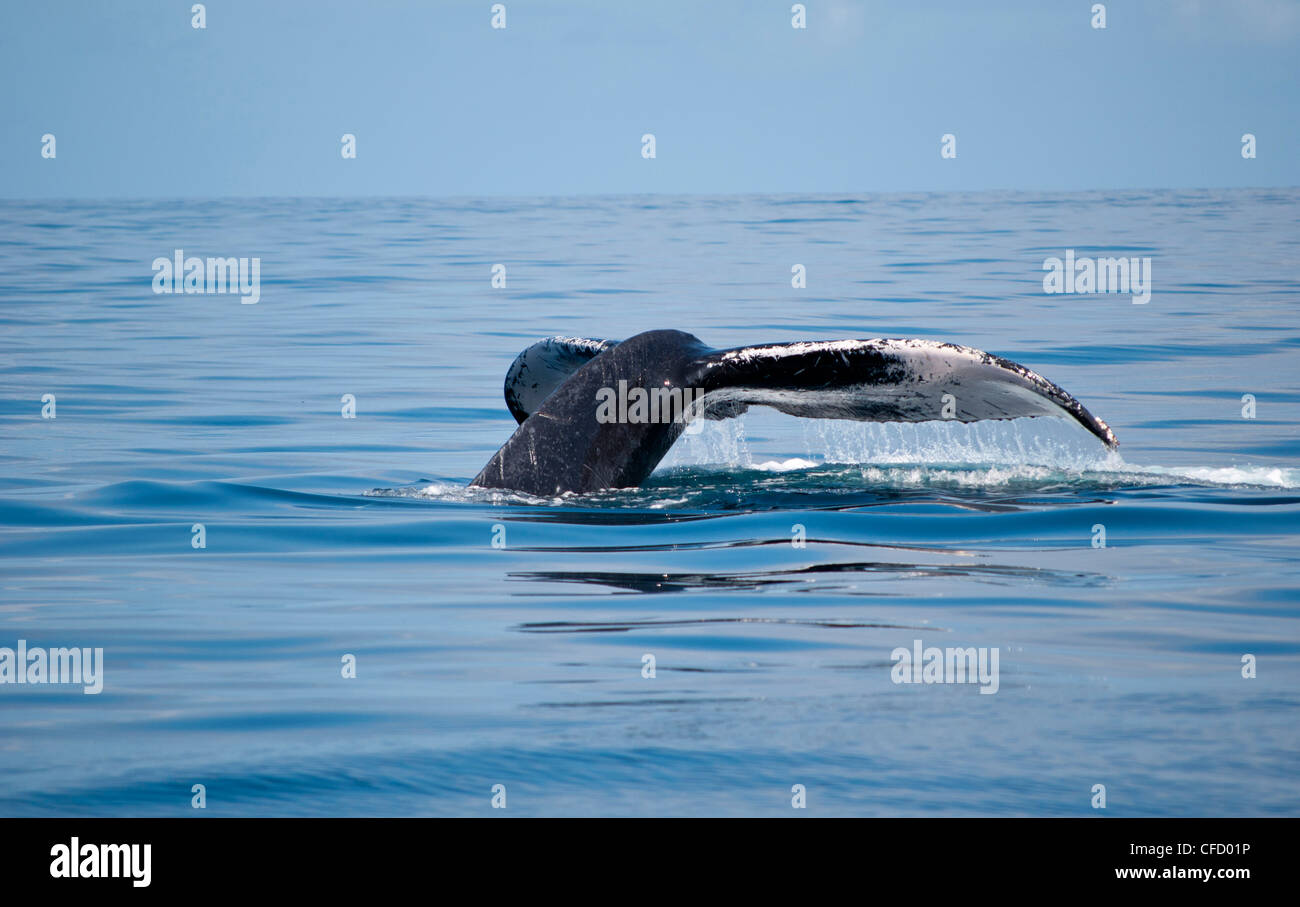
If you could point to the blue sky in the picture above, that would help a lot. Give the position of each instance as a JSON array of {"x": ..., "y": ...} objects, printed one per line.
[{"x": 142, "y": 104}]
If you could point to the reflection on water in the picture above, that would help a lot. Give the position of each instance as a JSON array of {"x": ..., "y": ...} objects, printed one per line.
[{"x": 682, "y": 582}]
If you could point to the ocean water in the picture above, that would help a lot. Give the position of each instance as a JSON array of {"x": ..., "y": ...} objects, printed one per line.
[{"x": 522, "y": 665}]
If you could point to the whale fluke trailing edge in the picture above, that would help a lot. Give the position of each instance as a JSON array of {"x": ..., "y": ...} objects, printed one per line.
[{"x": 572, "y": 439}]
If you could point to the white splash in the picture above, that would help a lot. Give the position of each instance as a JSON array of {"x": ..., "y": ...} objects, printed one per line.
[
  {"x": 863, "y": 455},
  {"x": 791, "y": 465},
  {"x": 979, "y": 454}
]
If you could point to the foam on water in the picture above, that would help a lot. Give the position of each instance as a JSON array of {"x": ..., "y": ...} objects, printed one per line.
[{"x": 1024, "y": 454}]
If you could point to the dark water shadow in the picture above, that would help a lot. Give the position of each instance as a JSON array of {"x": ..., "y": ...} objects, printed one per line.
[{"x": 748, "y": 581}]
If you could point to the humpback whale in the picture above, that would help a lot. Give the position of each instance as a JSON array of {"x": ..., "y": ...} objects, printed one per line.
[{"x": 600, "y": 414}]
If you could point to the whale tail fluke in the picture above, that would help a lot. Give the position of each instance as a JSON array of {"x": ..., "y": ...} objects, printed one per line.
[
  {"x": 566, "y": 442},
  {"x": 544, "y": 366},
  {"x": 887, "y": 381}
]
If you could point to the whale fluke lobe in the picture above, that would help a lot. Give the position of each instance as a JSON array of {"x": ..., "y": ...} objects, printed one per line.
[
  {"x": 598, "y": 414},
  {"x": 888, "y": 381},
  {"x": 544, "y": 366}
]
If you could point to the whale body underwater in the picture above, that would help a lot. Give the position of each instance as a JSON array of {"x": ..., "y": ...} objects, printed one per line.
[{"x": 601, "y": 414}]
